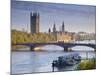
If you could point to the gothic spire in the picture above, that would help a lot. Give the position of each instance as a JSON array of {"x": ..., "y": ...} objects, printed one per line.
[
  {"x": 54, "y": 28},
  {"x": 63, "y": 27}
]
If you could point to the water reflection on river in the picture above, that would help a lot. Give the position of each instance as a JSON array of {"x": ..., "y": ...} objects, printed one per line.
[{"x": 30, "y": 62}]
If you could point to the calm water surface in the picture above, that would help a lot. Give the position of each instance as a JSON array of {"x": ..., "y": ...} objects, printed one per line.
[
  {"x": 29, "y": 62},
  {"x": 32, "y": 62}
]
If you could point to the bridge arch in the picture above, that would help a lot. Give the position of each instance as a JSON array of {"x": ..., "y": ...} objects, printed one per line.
[
  {"x": 82, "y": 48},
  {"x": 50, "y": 47},
  {"x": 84, "y": 45},
  {"x": 21, "y": 47}
]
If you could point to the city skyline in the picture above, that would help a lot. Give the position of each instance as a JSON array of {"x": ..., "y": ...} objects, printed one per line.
[{"x": 75, "y": 17}]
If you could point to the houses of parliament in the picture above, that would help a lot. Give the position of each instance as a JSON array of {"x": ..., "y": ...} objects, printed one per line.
[{"x": 60, "y": 35}]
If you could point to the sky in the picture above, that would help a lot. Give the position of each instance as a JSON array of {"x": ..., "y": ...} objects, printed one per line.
[{"x": 77, "y": 18}]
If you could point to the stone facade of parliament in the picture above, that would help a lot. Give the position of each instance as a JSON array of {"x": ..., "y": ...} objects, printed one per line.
[{"x": 60, "y": 35}]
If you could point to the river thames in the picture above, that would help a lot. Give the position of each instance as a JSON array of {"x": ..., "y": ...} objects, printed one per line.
[{"x": 33, "y": 62}]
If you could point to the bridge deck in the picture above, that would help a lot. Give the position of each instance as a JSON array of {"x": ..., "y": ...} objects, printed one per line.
[{"x": 64, "y": 45}]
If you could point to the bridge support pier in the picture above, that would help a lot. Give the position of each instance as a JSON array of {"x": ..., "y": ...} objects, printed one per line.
[
  {"x": 31, "y": 48},
  {"x": 67, "y": 49}
]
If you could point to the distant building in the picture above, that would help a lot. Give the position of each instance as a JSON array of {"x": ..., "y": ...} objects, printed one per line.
[
  {"x": 86, "y": 36},
  {"x": 62, "y": 35},
  {"x": 34, "y": 22}
]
